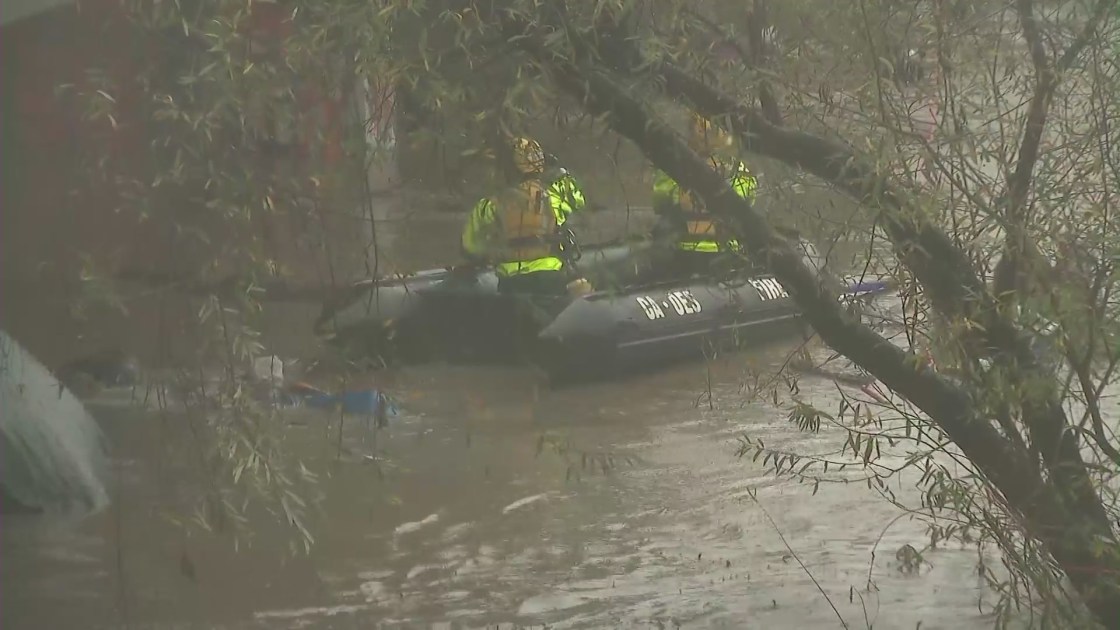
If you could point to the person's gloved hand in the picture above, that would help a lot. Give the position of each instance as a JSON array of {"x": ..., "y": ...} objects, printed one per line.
[{"x": 579, "y": 287}]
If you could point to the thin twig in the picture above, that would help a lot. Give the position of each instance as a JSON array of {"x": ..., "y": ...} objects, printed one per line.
[
  {"x": 879, "y": 539},
  {"x": 793, "y": 553},
  {"x": 1098, "y": 16}
]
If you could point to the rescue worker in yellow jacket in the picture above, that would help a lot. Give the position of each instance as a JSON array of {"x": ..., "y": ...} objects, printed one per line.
[
  {"x": 697, "y": 236},
  {"x": 520, "y": 229}
]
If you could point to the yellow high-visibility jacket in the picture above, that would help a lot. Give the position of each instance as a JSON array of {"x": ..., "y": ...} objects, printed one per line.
[
  {"x": 699, "y": 232},
  {"x": 520, "y": 237}
]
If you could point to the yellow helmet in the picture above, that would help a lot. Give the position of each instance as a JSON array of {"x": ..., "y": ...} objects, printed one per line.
[
  {"x": 706, "y": 138},
  {"x": 528, "y": 156}
]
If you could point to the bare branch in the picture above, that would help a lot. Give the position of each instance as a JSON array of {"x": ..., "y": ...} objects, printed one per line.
[
  {"x": 1018, "y": 183},
  {"x": 1046, "y": 81},
  {"x": 1092, "y": 404},
  {"x": 1050, "y": 507},
  {"x": 925, "y": 388},
  {"x": 752, "y": 58},
  {"x": 1100, "y": 13},
  {"x": 941, "y": 267}
]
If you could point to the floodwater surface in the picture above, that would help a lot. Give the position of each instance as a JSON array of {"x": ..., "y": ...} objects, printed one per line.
[{"x": 486, "y": 504}]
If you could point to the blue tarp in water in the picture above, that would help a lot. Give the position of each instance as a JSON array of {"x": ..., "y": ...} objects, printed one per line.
[
  {"x": 358, "y": 402},
  {"x": 361, "y": 402}
]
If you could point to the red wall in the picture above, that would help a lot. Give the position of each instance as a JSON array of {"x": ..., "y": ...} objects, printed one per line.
[
  {"x": 46, "y": 224},
  {"x": 50, "y": 214},
  {"x": 41, "y": 219}
]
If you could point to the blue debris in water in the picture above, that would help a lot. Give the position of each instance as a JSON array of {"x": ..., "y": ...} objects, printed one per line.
[
  {"x": 52, "y": 452},
  {"x": 365, "y": 402},
  {"x": 863, "y": 288},
  {"x": 857, "y": 287}
]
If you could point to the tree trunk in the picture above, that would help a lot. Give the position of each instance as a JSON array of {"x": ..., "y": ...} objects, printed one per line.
[{"x": 1064, "y": 512}]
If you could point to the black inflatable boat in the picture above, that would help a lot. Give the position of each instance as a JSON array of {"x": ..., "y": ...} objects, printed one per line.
[{"x": 628, "y": 325}]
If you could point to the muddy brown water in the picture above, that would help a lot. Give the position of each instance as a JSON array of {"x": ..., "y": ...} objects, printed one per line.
[
  {"x": 463, "y": 523},
  {"x": 453, "y": 517}
]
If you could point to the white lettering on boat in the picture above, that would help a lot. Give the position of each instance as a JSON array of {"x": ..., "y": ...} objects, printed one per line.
[
  {"x": 681, "y": 303},
  {"x": 769, "y": 288}
]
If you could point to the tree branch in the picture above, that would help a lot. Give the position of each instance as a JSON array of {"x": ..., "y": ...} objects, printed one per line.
[
  {"x": 939, "y": 265},
  {"x": 751, "y": 59},
  {"x": 1052, "y": 512},
  {"x": 1099, "y": 15},
  {"x": 944, "y": 270},
  {"x": 925, "y": 388},
  {"x": 1018, "y": 183},
  {"x": 952, "y": 283},
  {"x": 1019, "y": 249},
  {"x": 1092, "y": 406}
]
